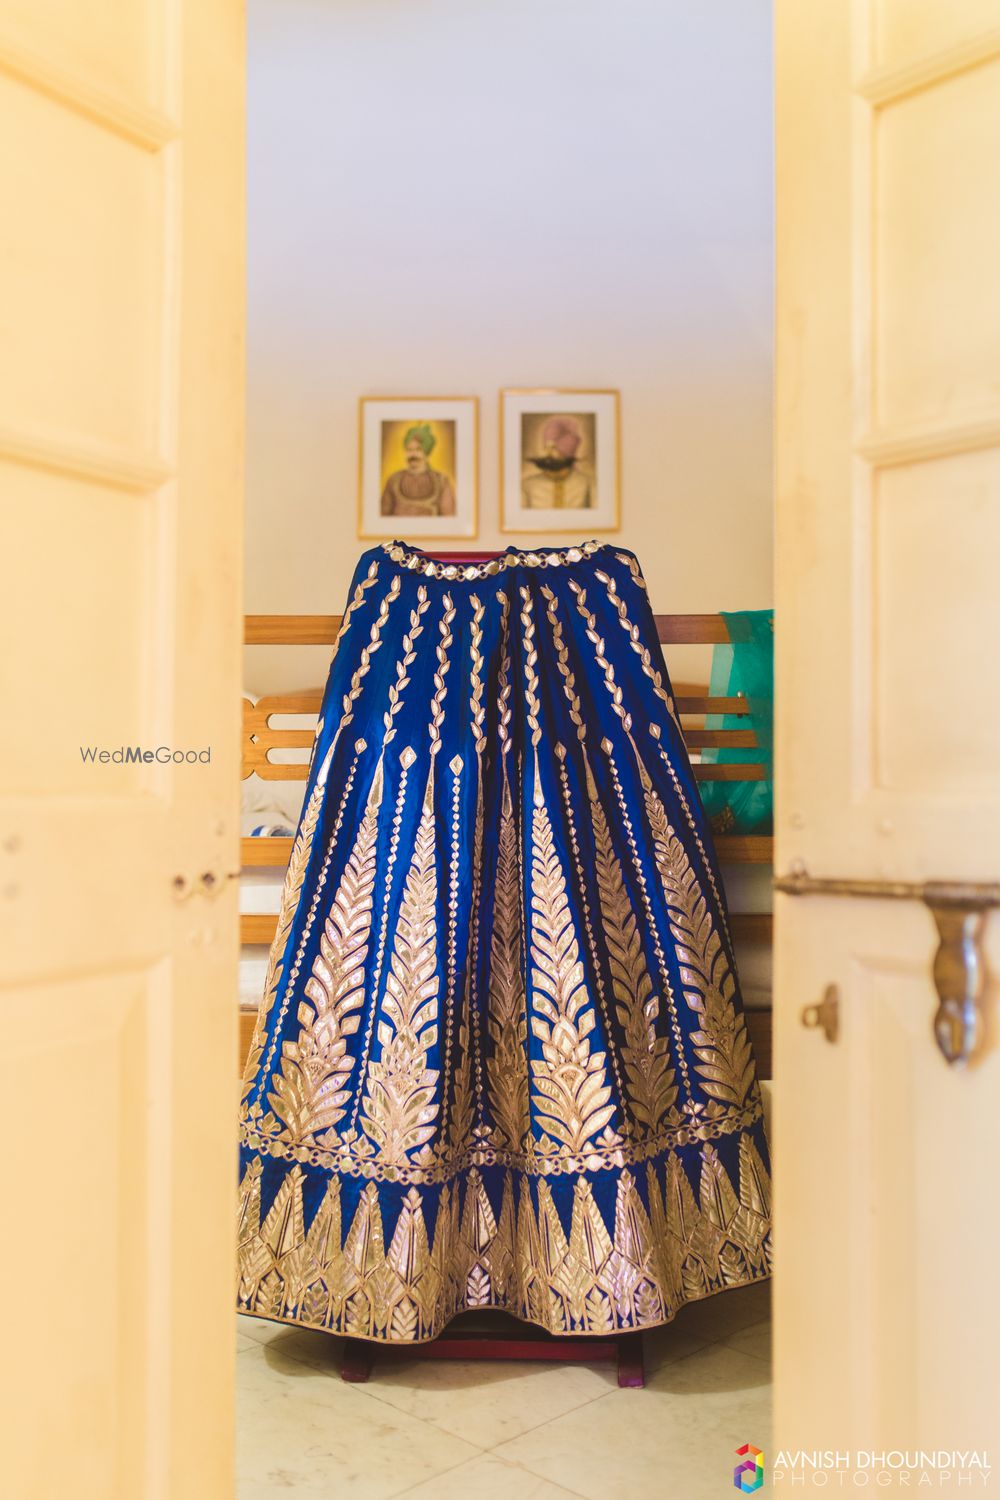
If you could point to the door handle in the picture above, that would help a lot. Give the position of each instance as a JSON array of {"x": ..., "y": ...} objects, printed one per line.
[{"x": 959, "y": 909}]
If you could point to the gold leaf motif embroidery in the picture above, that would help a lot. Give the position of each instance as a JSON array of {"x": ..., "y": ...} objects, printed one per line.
[
  {"x": 652, "y": 1089},
  {"x": 721, "y": 1044},
  {"x": 310, "y": 1094},
  {"x": 632, "y": 1271},
  {"x": 460, "y": 1123},
  {"x": 294, "y": 876},
  {"x": 400, "y": 1102},
  {"x": 635, "y": 641},
  {"x": 570, "y": 1084},
  {"x": 302, "y": 847},
  {"x": 507, "y": 1063}
]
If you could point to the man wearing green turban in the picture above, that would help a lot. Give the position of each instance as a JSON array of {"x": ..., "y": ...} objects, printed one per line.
[{"x": 417, "y": 489}]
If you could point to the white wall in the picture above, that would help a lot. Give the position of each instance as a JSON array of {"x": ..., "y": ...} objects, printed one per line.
[{"x": 454, "y": 195}]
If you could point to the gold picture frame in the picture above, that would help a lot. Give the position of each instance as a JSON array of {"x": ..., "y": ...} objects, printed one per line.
[
  {"x": 588, "y": 492},
  {"x": 388, "y": 465}
]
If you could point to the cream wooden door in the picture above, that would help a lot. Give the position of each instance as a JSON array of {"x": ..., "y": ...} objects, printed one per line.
[
  {"x": 888, "y": 754},
  {"x": 121, "y": 325}
]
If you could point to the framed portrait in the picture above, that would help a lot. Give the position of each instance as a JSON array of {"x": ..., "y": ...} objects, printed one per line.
[
  {"x": 418, "y": 467},
  {"x": 559, "y": 461}
]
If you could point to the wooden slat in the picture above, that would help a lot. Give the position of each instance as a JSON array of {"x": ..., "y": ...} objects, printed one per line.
[
  {"x": 727, "y": 739},
  {"x": 745, "y": 848},
  {"x": 735, "y": 772},
  {"x": 747, "y": 927},
  {"x": 691, "y": 630},
  {"x": 291, "y": 630},
  {"x": 706, "y": 705},
  {"x": 258, "y": 927},
  {"x": 270, "y": 852},
  {"x": 321, "y": 630},
  {"x": 759, "y": 1027},
  {"x": 272, "y": 770},
  {"x": 248, "y": 1017}
]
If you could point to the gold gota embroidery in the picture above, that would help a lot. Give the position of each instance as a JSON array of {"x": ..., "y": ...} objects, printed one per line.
[
  {"x": 309, "y": 1093},
  {"x": 722, "y": 1044},
  {"x": 399, "y": 1098},
  {"x": 634, "y": 640},
  {"x": 299, "y": 860},
  {"x": 255, "y": 1112},
  {"x": 438, "y": 1163},
  {"x": 588, "y": 925},
  {"x": 507, "y": 1021},
  {"x": 652, "y": 1086},
  {"x": 400, "y": 1106},
  {"x": 432, "y": 567},
  {"x": 490, "y": 1093},
  {"x": 617, "y": 704},
  {"x": 576, "y": 716},
  {"x": 458, "y": 1123},
  {"x": 478, "y": 719},
  {"x": 406, "y": 759},
  {"x": 507, "y": 1063},
  {"x": 294, "y": 876},
  {"x": 302, "y": 848},
  {"x": 569, "y": 1079},
  {"x": 398, "y": 1283},
  {"x": 706, "y": 863}
]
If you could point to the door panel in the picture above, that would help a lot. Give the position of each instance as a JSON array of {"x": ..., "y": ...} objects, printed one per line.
[
  {"x": 120, "y": 457},
  {"x": 889, "y": 402},
  {"x": 888, "y": 728},
  {"x": 123, "y": 50},
  {"x": 906, "y": 29},
  {"x": 87, "y": 246},
  {"x": 936, "y": 243},
  {"x": 885, "y": 1316},
  {"x": 936, "y": 611}
]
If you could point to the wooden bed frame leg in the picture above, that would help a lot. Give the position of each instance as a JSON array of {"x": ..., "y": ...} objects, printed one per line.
[
  {"x": 357, "y": 1360},
  {"x": 631, "y": 1361}
]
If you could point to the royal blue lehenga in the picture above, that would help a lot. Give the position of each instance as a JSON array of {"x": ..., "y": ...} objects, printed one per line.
[{"x": 501, "y": 1059}]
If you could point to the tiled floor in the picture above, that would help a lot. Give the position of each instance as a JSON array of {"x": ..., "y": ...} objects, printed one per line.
[{"x": 448, "y": 1431}]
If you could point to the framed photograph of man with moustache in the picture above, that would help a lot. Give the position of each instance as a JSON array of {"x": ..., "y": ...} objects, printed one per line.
[
  {"x": 559, "y": 461},
  {"x": 418, "y": 467}
]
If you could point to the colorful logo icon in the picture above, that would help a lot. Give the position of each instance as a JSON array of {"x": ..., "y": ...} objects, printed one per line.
[{"x": 749, "y": 1475}]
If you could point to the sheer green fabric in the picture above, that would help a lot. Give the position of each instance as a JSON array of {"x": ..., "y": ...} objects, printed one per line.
[{"x": 744, "y": 666}]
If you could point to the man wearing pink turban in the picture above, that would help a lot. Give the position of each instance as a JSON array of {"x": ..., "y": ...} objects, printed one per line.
[{"x": 558, "y": 478}]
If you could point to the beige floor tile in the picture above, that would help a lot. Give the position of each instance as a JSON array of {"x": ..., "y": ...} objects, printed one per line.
[
  {"x": 300, "y": 1428},
  {"x": 672, "y": 1341},
  {"x": 676, "y": 1437},
  {"x": 484, "y": 1401},
  {"x": 725, "y": 1313},
  {"x": 253, "y": 1328},
  {"x": 754, "y": 1340},
  {"x": 306, "y": 1345},
  {"x": 489, "y": 1478}
]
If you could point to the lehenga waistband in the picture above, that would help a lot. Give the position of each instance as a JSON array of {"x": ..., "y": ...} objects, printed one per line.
[{"x": 415, "y": 559}]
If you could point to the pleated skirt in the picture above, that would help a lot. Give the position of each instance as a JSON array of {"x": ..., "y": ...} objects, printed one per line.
[{"x": 500, "y": 1058}]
